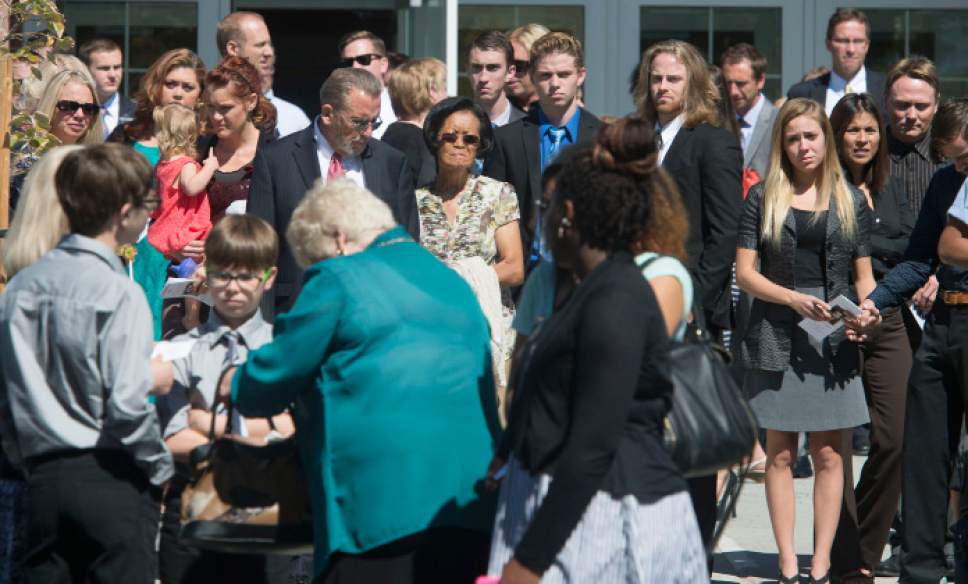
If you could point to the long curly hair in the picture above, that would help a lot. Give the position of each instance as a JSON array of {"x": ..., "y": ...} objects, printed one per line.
[
  {"x": 148, "y": 96},
  {"x": 623, "y": 199},
  {"x": 702, "y": 95},
  {"x": 243, "y": 78}
]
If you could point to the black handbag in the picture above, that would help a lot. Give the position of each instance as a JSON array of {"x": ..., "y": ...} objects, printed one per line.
[
  {"x": 710, "y": 426},
  {"x": 245, "y": 498}
]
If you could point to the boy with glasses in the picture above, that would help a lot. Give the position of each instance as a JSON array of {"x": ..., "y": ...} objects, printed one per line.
[
  {"x": 364, "y": 50},
  {"x": 240, "y": 257}
]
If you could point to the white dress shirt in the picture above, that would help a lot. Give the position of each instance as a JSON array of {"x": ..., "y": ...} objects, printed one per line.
[
  {"x": 667, "y": 134},
  {"x": 746, "y": 131},
  {"x": 289, "y": 117},
  {"x": 353, "y": 166},
  {"x": 838, "y": 87},
  {"x": 110, "y": 112},
  {"x": 387, "y": 115},
  {"x": 505, "y": 116}
]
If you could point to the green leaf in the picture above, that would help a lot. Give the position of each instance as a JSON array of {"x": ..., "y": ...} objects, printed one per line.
[{"x": 36, "y": 72}]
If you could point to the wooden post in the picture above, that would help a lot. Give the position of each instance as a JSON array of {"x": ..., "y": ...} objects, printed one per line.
[{"x": 6, "y": 111}]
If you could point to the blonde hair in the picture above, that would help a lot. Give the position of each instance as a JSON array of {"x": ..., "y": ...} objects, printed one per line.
[
  {"x": 32, "y": 87},
  {"x": 778, "y": 186},
  {"x": 50, "y": 97},
  {"x": 525, "y": 35},
  {"x": 177, "y": 129},
  {"x": 556, "y": 42},
  {"x": 699, "y": 102},
  {"x": 412, "y": 85},
  {"x": 39, "y": 222},
  {"x": 340, "y": 206}
]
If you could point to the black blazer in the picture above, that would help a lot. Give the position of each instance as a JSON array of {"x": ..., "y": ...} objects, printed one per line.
[
  {"x": 409, "y": 139},
  {"x": 286, "y": 169},
  {"x": 816, "y": 89},
  {"x": 125, "y": 110},
  {"x": 707, "y": 164},
  {"x": 516, "y": 158}
]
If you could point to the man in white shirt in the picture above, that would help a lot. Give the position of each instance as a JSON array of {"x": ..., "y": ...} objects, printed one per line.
[
  {"x": 105, "y": 61},
  {"x": 364, "y": 50},
  {"x": 744, "y": 74},
  {"x": 489, "y": 66},
  {"x": 245, "y": 34},
  {"x": 848, "y": 39}
]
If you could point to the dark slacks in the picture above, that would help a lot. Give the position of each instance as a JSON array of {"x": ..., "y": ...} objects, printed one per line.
[
  {"x": 184, "y": 564},
  {"x": 932, "y": 427},
  {"x": 867, "y": 511},
  {"x": 443, "y": 555},
  {"x": 93, "y": 519}
]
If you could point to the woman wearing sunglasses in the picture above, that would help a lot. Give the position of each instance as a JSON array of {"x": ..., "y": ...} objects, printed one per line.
[
  {"x": 70, "y": 103},
  {"x": 471, "y": 222}
]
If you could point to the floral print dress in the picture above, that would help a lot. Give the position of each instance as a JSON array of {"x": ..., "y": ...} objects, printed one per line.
[{"x": 483, "y": 206}]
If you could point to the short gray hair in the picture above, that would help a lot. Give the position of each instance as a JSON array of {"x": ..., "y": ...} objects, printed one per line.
[
  {"x": 338, "y": 206},
  {"x": 342, "y": 82}
]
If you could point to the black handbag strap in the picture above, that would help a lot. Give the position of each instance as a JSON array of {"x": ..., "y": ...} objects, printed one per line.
[{"x": 697, "y": 328}]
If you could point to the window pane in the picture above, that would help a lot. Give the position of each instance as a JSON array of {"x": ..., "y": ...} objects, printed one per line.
[
  {"x": 685, "y": 24},
  {"x": 87, "y": 20},
  {"x": 940, "y": 35},
  {"x": 759, "y": 27},
  {"x": 887, "y": 39},
  {"x": 478, "y": 18},
  {"x": 157, "y": 27}
]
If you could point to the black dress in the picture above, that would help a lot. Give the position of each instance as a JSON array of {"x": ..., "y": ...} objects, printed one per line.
[{"x": 409, "y": 139}]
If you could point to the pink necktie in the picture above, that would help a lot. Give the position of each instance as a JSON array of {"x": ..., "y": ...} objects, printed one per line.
[{"x": 336, "y": 169}]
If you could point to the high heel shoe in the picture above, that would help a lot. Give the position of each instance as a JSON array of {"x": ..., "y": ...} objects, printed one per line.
[
  {"x": 825, "y": 579},
  {"x": 781, "y": 579}
]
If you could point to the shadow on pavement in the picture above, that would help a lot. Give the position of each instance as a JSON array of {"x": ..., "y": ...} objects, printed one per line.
[{"x": 747, "y": 564}]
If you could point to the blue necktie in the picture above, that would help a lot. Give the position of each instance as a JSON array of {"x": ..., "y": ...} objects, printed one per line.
[{"x": 539, "y": 247}]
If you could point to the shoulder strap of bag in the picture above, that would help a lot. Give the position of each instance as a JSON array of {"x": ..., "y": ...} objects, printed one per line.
[{"x": 697, "y": 328}]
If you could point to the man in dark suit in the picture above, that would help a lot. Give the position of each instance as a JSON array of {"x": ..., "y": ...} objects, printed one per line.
[
  {"x": 706, "y": 162},
  {"x": 523, "y": 149},
  {"x": 105, "y": 61},
  {"x": 848, "y": 39},
  {"x": 489, "y": 66},
  {"x": 338, "y": 144}
]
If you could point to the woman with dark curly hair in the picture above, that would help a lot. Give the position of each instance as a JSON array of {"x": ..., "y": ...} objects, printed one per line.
[
  {"x": 588, "y": 481},
  {"x": 471, "y": 222}
]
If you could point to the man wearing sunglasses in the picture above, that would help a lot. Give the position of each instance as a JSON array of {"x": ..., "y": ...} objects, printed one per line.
[
  {"x": 520, "y": 89},
  {"x": 523, "y": 149},
  {"x": 364, "y": 50},
  {"x": 338, "y": 144}
]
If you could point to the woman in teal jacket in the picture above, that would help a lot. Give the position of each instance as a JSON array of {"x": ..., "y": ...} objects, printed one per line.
[{"x": 385, "y": 360}]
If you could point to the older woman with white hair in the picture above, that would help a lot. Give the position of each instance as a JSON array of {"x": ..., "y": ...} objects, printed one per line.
[{"x": 385, "y": 355}]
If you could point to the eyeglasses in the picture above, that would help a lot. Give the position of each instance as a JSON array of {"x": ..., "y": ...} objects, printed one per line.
[
  {"x": 245, "y": 279},
  {"x": 465, "y": 139},
  {"x": 361, "y": 124},
  {"x": 364, "y": 60},
  {"x": 69, "y": 106},
  {"x": 521, "y": 67}
]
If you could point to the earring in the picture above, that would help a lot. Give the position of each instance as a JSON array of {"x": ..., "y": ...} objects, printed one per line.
[{"x": 562, "y": 226}]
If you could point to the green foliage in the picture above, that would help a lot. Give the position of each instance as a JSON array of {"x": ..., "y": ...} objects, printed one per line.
[{"x": 29, "y": 128}]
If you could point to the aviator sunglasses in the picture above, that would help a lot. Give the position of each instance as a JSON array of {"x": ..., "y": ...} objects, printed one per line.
[
  {"x": 363, "y": 60},
  {"x": 70, "y": 106}
]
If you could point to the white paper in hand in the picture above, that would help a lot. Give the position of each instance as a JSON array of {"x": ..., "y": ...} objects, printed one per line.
[
  {"x": 236, "y": 208},
  {"x": 959, "y": 208},
  {"x": 840, "y": 308},
  {"x": 184, "y": 288},
  {"x": 172, "y": 350}
]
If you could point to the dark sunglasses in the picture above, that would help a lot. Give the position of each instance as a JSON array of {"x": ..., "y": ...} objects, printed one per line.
[
  {"x": 70, "y": 106},
  {"x": 466, "y": 139},
  {"x": 364, "y": 60},
  {"x": 521, "y": 66}
]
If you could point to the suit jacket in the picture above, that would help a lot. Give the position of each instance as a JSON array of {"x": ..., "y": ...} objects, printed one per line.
[
  {"x": 816, "y": 89},
  {"x": 516, "y": 114},
  {"x": 707, "y": 163},
  {"x": 516, "y": 159},
  {"x": 757, "y": 153},
  {"x": 126, "y": 109},
  {"x": 286, "y": 169}
]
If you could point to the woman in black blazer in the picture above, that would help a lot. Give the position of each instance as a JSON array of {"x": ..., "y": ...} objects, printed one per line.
[{"x": 886, "y": 359}]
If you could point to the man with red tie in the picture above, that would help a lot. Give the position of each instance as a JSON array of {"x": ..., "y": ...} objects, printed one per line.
[{"x": 338, "y": 144}]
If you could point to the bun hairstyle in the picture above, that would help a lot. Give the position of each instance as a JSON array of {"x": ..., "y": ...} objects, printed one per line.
[
  {"x": 242, "y": 77},
  {"x": 623, "y": 199}
]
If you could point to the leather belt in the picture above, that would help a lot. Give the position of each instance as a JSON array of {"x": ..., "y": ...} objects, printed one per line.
[{"x": 954, "y": 297}]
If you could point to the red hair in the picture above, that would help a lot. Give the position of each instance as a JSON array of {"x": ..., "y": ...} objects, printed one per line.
[{"x": 243, "y": 79}]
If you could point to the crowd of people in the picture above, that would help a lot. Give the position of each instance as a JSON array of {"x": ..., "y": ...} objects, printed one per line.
[{"x": 460, "y": 308}]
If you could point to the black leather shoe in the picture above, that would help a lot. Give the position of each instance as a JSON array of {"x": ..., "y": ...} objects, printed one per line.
[
  {"x": 803, "y": 469},
  {"x": 889, "y": 568}
]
